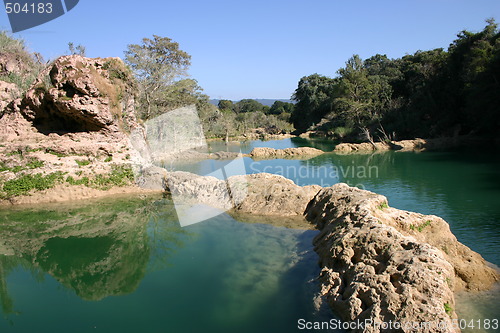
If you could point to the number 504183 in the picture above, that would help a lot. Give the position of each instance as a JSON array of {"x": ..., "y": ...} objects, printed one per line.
[{"x": 32, "y": 8}]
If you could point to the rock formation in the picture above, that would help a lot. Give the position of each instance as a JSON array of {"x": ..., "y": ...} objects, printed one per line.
[
  {"x": 260, "y": 194},
  {"x": 79, "y": 111},
  {"x": 73, "y": 96},
  {"x": 407, "y": 145},
  {"x": 378, "y": 263},
  {"x": 263, "y": 152},
  {"x": 384, "y": 264}
]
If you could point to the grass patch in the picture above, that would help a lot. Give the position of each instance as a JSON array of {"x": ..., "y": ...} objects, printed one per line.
[
  {"x": 120, "y": 175},
  {"x": 52, "y": 152},
  {"x": 82, "y": 181},
  {"x": 33, "y": 163},
  {"x": 448, "y": 309},
  {"x": 421, "y": 227},
  {"x": 82, "y": 162},
  {"x": 383, "y": 205},
  {"x": 24, "y": 184},
  {"x": 18, "y": 152},
  {"x": 108, "y": 159}
]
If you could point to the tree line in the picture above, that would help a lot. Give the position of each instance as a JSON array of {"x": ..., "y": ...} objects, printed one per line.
[{"x": 425, "y": 94}]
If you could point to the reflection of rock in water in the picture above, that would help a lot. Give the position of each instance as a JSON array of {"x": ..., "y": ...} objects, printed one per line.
[{"x": 98, "y": 250}]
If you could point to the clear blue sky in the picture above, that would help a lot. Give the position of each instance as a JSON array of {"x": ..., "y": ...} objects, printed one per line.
[{"x": 260, "y": 49}]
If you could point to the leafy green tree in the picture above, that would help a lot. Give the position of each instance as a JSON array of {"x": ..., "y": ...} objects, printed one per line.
[
  {"x": 158, "y": 63},
  {"x": 248, "y": 105},
  {"x": 314, "y": 96},
  {"x": 225, "y": 104},
  {"x": 280, "y": 107}
]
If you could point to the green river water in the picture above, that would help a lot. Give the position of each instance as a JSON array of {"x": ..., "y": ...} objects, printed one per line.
[{"x": 125, "y": 265}]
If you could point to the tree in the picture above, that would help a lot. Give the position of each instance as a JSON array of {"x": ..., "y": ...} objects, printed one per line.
[
  {"x": 248, "y": 105},
  {"x": 314, "y": 96},
  {"x": 280, "y": 107},
  {"x": 225, "y": 104},
  {"x": 158, "y": 63},
  {"x": 78, "y": 49}
]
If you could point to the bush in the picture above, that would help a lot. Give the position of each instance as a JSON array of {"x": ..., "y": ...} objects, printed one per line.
[
  {"x": 82, "y": 162},
  {"x": 28, "y": 68},
  {"x": 24, "y": 184}
]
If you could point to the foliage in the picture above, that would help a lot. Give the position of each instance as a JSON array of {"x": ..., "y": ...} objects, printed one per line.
[
  {"x": 120, "y": 175},
  {"x": 420, "y": 227},
  {"x": 27, "y": 65},
  {"x": 157, "y": 63},
  {"x": 448, "y": 309},
  {"x": 425, "y": 94},
  {"x": 24, "y": 184},
  {"x": 248, "y": 105},
  {"x": 76, "y": 49},
  {"x": 280, "y": 107},
  {"x": 225, "y": 105},
  {"x": 82, "y": 162}
]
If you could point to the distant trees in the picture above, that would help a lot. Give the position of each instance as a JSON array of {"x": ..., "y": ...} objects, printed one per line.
[
  {"x": 243, "y": 116},
  {"x": 248, "y": 105},
  {"x": 429, "y": 93},
  {"x": 225, "y": 105}
]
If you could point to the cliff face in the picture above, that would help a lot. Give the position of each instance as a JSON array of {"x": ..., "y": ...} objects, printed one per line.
[
  {"x": 74, "y": 119},
  {"x": 74, "y": 95}
]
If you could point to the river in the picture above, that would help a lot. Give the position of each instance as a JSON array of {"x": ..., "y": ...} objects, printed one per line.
[{"x": 125, "y": 264}]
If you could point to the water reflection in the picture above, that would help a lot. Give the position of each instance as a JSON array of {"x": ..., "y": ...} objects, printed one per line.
[
  {"x": 59, "y": 267},
  {"x": 97, "y": 250}
]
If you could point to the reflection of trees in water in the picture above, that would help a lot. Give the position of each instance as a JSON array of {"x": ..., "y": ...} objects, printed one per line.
[{"x": 98, "y": 250}]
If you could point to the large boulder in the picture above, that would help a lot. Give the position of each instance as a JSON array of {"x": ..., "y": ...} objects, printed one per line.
[
  {"x": 260, "y": 194},
  {"x": 383, "y": 264},
  {"x": 301, "y": 152},
  {"x": 77, "y": 94}
]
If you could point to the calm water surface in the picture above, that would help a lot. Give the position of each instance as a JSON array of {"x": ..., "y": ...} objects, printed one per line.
[{"x": 126, "y": 265}]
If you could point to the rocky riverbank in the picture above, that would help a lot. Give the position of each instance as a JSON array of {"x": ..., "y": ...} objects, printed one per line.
[
  {"x": 411, "y": 145},
  {"x": 378, "y": 263}
]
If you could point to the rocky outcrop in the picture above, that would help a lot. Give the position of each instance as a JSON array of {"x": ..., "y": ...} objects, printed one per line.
[
  {"x": 75, "y": 119},
  {"x": 263, "y": 152},
  {"x": 74, "y": 95},
  {"x": 407, "y": 145},
  {"x": 78, "y": 94},
  {"x": 260, "y": 194},
  {"x": 378, "y": 263},
  {"x": 384, "y": 264}
]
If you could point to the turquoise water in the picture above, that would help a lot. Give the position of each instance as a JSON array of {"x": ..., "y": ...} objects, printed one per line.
[
  {"x": 126, "y": 266},
  {"x": 462, "y": 186}
]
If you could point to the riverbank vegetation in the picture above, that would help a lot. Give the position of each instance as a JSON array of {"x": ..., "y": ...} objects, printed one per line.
[{"x": 426, "y": 94}]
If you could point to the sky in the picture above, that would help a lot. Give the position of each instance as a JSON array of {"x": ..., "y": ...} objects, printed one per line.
[{"x": 261, "y": 49}]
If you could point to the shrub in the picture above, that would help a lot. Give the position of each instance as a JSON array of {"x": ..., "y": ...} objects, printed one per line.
[
  {"x": 82, "y": 162},
  {"x": 24, "y": 184}
]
